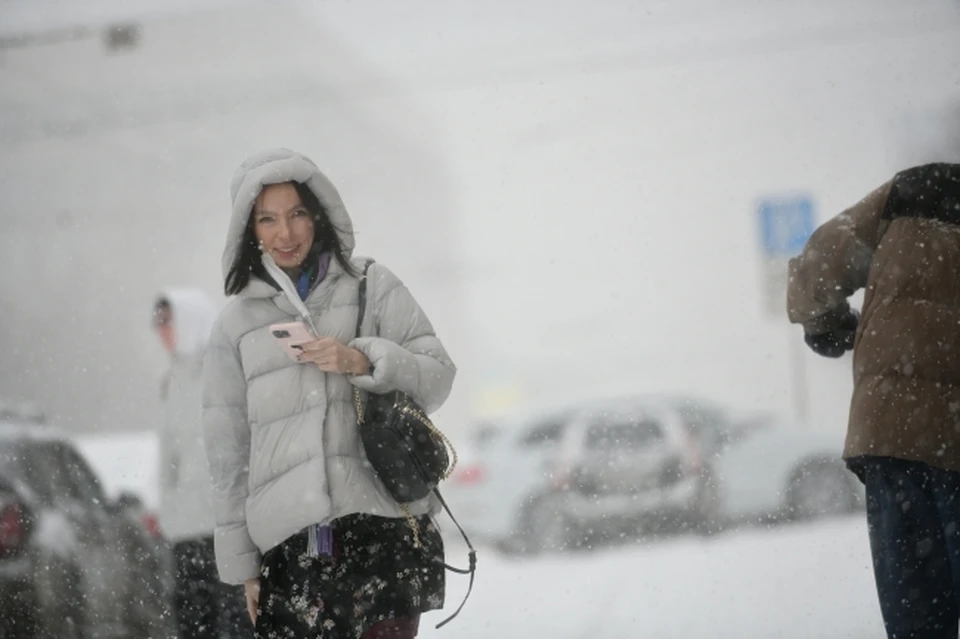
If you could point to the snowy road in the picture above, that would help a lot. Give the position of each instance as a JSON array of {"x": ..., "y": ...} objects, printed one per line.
[{"x": 791, "y": 582}]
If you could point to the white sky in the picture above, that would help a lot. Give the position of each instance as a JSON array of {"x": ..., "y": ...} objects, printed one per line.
[{"x": 570, "y": 187}]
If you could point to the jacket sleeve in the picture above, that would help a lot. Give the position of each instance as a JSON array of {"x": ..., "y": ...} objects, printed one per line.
[
  {"x": 227, "y": 440},
  {"x": 169, "y": 459},
  {"x": 406, "y": 355},
  {"x": 835, "y": 263}
]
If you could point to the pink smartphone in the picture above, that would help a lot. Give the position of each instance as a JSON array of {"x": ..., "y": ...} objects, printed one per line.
[{"x": 290, "y": 336}]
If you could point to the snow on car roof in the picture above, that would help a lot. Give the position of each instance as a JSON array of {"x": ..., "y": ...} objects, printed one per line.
[
  {"x": 24, "y": 429},
  {"x": 534, "y": 415}
]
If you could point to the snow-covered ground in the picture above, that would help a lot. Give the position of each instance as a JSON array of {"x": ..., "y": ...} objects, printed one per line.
[
  {"x": 793, "y": 582},
  {"x": 796, "y": 581}
]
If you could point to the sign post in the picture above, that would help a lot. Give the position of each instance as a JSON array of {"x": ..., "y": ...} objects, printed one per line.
[{"x": 786, "y": 223}]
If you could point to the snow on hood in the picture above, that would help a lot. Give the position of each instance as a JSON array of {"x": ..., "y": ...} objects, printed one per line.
[
  {"x": 193, "y": 317},
  {"x": 56, "y": 533},
  {"x": 275, "y": 166}
]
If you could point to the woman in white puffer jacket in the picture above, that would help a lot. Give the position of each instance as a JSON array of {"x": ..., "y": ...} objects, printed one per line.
[{"x": 301, "y": 519}]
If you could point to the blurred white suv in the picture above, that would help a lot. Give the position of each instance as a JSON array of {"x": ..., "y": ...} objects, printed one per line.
[
  {"x": 625, "y": 466},
  {"x": 557, "y": 479}
]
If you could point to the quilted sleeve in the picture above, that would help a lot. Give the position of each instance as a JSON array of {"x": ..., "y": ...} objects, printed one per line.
[
  {"x": 227, "y": 440},
  {"x": 406, "y": 355}
]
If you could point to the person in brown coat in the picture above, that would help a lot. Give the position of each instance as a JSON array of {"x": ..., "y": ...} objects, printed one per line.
[{"x": 901, "y": 243}]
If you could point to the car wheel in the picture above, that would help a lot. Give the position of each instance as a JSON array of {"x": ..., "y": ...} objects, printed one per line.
[
  {"x": 149, "y": 606},
  {"x": 60, "y": 618},
  {"x": 20, "y": 614},
  {"x": 52, "y": 627},
  {"x": 544, "y": 526},
  {"x": 706, "y": 515},
  {"x": 820, "y": 489}
]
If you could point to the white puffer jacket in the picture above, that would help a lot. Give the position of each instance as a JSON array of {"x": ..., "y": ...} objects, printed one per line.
[
  {"x": 186, "y": 505},
  {"x": 281, "y": 437}
]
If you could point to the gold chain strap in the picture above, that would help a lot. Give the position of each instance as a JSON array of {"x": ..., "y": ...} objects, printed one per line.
[
  {"x": 426, "y": 421},
  {"x": 412, "y": 523},
  {"x": 358, "y": 405}
]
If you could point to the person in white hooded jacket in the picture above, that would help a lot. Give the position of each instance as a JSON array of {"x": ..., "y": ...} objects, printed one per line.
[
  {"x": 205, "y": 607},
  {"x": 302, "y": 520}
]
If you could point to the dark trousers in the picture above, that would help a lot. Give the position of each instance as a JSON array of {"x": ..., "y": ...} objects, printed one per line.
[
  {"x": 913, "y": 513},
  {"x": 206, "y": 607}
]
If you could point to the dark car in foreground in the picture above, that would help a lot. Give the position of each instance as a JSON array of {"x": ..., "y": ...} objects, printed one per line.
[{"x": 73, "y": 564}]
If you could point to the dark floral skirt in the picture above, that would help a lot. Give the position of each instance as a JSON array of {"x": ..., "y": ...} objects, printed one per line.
[{"x": 375, "y": 573}]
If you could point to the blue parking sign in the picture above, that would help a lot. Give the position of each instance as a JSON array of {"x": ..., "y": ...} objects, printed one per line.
[{"x": 786, "y": 224}]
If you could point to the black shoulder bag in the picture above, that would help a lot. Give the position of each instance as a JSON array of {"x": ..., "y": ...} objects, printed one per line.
[{"x": 409, "y": 454}]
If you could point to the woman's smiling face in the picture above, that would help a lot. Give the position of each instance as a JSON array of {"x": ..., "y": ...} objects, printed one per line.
[{"x": 283, "y": 226}]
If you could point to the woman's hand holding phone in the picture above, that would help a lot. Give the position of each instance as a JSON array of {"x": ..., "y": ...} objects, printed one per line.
[
  {"x": 327, "y": 353},
  {"x": 331, "y": 356}
]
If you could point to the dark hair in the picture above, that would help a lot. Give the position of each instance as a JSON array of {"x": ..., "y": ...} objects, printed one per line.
[
  {"x": 162, "y": 311},
  {"x": 326, "y": 237}
]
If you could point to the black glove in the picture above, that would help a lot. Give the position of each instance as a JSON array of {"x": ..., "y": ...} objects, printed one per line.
[{"x": 839, "y": 340}]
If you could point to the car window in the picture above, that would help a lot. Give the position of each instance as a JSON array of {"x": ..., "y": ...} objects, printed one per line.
[
  {"x": 39, "y": 466},
  {"x": 705, "y": 424},
  {"x": 624, "y": 435},
  {"x": 58, "y": 476},
  {"x": 85, "y": 484},
  {"x": 545, "y": 433},
  {"x": 22, "y": 460},
  {"x": 485, "y": 435}
]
